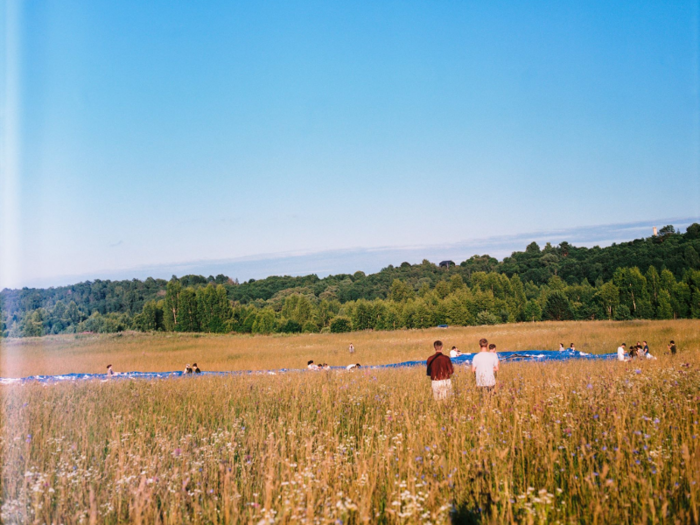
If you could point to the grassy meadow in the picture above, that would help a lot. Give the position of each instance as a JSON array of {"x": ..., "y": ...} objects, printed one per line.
[
  {"x": 162, "y": 352},
  {"x": 570, "y": 442}
]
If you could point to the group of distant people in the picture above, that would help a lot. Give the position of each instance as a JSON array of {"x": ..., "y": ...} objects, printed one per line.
[
  {"x": 641, "y": 351},
  {"x": 440, "y": 369},
  {"x": 454, "y": 352},
  {"x": 189, "y": 369},
  {"x": 325, "y": 366},
  {"x": 484, "y": 364},
  {"x": 192, "y": 369}
]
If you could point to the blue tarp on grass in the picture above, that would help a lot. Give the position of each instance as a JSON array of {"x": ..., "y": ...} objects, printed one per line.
[{"x": 504, "y": 357}]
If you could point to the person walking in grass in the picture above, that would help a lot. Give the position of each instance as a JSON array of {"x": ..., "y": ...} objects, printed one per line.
[
  {"x": 440, "y": 371},
  {"x": 351, "y": 348},
  {"x": 485, "y": 366}
]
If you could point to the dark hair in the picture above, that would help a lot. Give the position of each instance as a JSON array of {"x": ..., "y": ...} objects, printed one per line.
[
  {"x": 572, "y": 344},
  {"x": 673, "y": 342},
  {"x": 483, "y": 342},
  {"x": 194, "y": 364},
  {"x": 454, "y": 348},
  {"x": 357, "y": 365},
  {"x": 109, "y": 366},
  {"x": 623, "y": 344},
  {"x": 437, "y": 344},
  {"x": 492, "y": 346},
  {"x": 310, "y": 362}
]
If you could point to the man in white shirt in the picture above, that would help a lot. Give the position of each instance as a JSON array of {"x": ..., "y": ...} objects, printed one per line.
[
  {"x": 454, "y": 352},
  {"x": 485, "y": 366},
  {"x": 622, "y": 352}
]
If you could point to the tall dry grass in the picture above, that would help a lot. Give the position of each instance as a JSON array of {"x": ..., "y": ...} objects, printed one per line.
[
  {"x": 171, "y": 351},
  {"x": 572, "y": 442}
]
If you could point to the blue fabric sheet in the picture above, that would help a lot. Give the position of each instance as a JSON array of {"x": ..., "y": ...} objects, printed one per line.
[{"x": 504, "y": 357}]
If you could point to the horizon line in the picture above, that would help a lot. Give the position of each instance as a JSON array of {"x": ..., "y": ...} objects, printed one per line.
[{"x": 500, "y": 247}]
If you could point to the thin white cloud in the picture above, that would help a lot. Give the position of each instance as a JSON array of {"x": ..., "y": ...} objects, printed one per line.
[{"x": 372, "y": 260}]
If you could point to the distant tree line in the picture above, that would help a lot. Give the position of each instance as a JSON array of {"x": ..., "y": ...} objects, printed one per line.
[{"x": 652, "y": 278}]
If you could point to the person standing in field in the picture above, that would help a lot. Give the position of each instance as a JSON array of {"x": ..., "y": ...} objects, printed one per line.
[
  {"x": 440, "y": 371},
  {"x": 485, "y": 366},
  {"x": 351, "y": 348},
  {"x": 110, "y": 372},
  {"x": 672, "y": 347},
  {"x": 561, "y": 347},
  {"x": 622, "y": 352}
]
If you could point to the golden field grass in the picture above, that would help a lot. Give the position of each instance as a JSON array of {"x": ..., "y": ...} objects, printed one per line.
[
  {"x": 570, "y": 442},
  {"x": 163, "y": 352},
  {"x": 557, "y": 442}
]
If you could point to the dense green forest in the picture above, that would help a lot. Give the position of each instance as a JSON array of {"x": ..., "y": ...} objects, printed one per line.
[{"x": 652, "y": 278}]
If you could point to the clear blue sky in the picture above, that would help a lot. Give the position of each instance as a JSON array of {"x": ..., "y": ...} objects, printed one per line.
[{"x": 153, "y": 132}]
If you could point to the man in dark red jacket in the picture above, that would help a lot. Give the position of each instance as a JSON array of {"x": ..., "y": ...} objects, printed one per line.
[{"x": 440, "y": 371}]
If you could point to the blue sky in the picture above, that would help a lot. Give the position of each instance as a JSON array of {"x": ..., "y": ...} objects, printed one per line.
[{"x": 151, "y": 134}]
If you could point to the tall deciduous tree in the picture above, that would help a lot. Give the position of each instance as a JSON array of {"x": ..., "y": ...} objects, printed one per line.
[{"x": 172, "y": 305}]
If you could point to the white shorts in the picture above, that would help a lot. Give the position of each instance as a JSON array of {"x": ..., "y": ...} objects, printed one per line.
[{"x": 442, "y": 389}]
